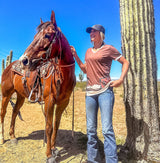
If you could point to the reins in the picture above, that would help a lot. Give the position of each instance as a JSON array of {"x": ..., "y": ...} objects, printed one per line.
[
  {"x": 48, "y": 52},
  {"x": 70, "y": 65}
]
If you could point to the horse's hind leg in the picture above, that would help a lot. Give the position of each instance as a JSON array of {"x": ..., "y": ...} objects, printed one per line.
[
  {"x": 18, "y": 105},
  {"x": 4, "y": 104}
]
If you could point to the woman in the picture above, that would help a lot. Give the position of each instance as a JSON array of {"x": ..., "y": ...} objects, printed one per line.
[{"x": 99, "y": 92}]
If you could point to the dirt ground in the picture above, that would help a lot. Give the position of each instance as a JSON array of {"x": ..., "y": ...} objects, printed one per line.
[{"x": 30, "y": 132}]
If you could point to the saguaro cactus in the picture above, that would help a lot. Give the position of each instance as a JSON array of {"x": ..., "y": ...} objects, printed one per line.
[
  {"x": 8, "y": 60},
  {"x": 3, "y": 67},
  {"x": 140, "y": 87},
  {"x": 10, "y": 56}
]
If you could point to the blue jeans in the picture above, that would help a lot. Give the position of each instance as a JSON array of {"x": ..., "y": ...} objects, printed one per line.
[{"x": 105, "y": 102}]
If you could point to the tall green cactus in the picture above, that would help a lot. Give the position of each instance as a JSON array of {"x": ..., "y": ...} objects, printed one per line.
[
  {"x": 8, "y": 60},
  {"x": 10, "y": 56},
  {"x": 140, "y": 87},
  {"x": 3, "y": 67}
]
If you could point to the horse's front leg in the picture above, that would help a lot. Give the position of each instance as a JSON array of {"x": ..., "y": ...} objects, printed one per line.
[
  {"x": 49, "y": 108},
  {"x": 18, "y": 105},
  {"x": 59, "y": 110}
]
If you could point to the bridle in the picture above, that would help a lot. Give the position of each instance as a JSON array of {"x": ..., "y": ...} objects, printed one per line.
[
  {"x": 53, "y": 41},
  {"x": 47, "y": 54}
]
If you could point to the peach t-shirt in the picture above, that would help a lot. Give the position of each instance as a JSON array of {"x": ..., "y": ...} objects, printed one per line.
[{"x": 98, "y": 65}]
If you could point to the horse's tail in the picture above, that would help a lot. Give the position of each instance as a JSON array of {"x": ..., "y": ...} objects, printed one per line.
[{"x": 19, "y": 113}]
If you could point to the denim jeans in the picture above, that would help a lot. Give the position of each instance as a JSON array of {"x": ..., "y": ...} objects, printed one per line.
[{"x": 105, "y": 102}]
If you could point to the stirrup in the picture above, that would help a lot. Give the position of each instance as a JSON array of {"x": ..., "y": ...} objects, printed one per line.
[{"x": 29, "y": 98}]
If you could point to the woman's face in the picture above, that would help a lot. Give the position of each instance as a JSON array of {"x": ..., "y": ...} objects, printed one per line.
[{"x": 95, "y": 36}]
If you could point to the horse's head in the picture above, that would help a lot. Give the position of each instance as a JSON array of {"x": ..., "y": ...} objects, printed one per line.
[{"x": 44, "y": 46}]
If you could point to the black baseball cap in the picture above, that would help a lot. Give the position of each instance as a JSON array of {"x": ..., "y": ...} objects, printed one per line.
[{"x": 97, "y": 27}]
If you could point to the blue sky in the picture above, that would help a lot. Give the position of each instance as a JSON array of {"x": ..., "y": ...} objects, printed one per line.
[{"x": 19, "y": 19}]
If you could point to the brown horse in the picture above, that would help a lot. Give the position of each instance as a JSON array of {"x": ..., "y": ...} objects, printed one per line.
[{"x": 49, "y": 46}]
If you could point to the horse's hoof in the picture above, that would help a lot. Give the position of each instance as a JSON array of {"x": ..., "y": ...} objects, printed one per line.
[
  {"x": 14, "y": 141},
  {"x": 51, "y": 160},
  {"x": 1, "y": 141},
  {"x": 55, "y": 153}
]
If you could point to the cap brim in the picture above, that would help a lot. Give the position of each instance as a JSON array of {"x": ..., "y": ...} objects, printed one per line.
[{"x": 88, "y": 30}]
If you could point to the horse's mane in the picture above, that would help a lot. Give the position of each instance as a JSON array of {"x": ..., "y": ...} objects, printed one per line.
[{"x": 43, "y": 26}]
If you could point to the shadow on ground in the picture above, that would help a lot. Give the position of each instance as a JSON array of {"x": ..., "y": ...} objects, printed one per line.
[{"x": 69, "y": 147}]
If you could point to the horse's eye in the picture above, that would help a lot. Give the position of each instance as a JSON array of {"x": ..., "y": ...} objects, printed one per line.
[{"x": 47, "y": 36}]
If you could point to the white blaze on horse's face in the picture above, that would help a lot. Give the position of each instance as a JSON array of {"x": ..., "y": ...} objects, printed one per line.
[{"x": 24, "y": 60}]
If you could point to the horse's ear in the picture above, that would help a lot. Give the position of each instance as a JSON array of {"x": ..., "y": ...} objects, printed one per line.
[
  {"x": 41, "y": 20},
  {"x": 53, "y": 19}
]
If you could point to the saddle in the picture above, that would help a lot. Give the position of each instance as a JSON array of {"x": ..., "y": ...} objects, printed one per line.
[{"x": 34, "y": 91}]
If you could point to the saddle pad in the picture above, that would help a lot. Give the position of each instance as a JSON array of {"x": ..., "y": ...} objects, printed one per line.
[{"x": 16, "y": 67}]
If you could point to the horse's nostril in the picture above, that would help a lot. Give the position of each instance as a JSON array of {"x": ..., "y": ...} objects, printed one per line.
[{"x": 25, "y": 61}]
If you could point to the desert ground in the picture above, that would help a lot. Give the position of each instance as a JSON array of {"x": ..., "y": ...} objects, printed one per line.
[{"x": 31, "y": 144}]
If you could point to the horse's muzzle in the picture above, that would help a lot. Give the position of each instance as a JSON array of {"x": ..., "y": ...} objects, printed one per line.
[
  {"x": 25, "y": 61},
  {"x": 29, "y": 64}
]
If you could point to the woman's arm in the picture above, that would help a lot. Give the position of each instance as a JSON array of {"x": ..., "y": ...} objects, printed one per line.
[
  {"x": 81, "y": 65},
  {"x": 125, "y": 66}
]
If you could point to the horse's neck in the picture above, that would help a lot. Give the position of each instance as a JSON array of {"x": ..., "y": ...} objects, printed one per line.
[{"x": 66, "y": 56}]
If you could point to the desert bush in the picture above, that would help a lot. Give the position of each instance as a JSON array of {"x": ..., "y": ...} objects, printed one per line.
[
  {"x": 81, "y": 85},
  {"x": 158, "y": 85}
]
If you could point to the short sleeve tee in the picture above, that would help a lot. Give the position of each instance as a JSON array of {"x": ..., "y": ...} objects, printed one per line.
[{"x": 98, "y": 64}]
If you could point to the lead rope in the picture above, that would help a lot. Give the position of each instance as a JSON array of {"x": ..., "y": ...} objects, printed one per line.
[
  {"x": 44, "y": 135},
  {"x": 42, "y": 108},
  {"x": 73, "y": 117}
]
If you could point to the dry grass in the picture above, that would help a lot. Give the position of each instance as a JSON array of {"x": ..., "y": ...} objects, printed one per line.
[{"x": 30, "y": 131}]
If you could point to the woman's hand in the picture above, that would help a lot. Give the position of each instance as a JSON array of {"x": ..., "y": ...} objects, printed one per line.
[
  {"x": 73, "y": 50},
  {"x": 116, "y": 83},
  {"x": 125, "y": 66},
  {"x": 81, "y": 65}
]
